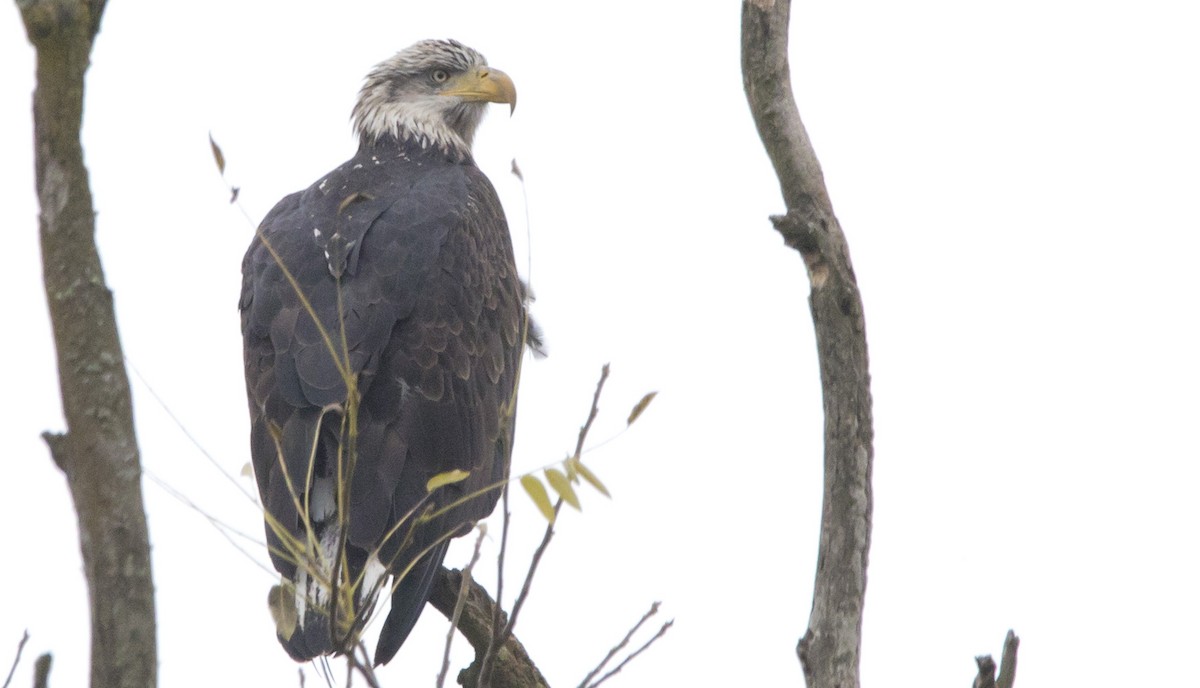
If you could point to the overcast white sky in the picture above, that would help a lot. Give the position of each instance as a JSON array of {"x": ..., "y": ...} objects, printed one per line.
[{"x": 1019, "y": 187}]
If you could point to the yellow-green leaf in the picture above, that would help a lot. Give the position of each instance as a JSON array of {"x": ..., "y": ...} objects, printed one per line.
[
  {"x": 247, "y": 470},
  {"x": 572, "y": 471},
  {"x": 589, "y": 476},
  {"x": 639, "y": 407},
  {"x": 447, "y": 478},
  {"x": 558, "y": 480},
  {"x": 283, "y": 610},
  {"x": 537, "y": 492},
  {"x": 217, "y": 154}
]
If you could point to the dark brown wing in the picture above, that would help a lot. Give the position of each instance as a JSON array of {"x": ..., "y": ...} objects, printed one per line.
[{"x": 431, "y": 320}]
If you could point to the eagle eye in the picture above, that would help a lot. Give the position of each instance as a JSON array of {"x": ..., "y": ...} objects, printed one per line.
[{"x": 439, "y": 76}]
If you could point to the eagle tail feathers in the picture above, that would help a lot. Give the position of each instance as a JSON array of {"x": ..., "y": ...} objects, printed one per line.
[
  {"x": 312, "y": 636},
  {"x": 408, "y": 601}
]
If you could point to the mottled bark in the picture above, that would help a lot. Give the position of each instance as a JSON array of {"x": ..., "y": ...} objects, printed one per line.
[
  {"x": 98, "y": 453},
  {"x": 987, "y": 677},
  {"x": 829, "y": 649},
  {"x": 511, "y": 666},
  {"x": 41, "y": 671}
]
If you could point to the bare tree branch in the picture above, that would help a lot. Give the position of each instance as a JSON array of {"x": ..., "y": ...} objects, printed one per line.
[
  {"x": 987, "y": 678},
  {"x": 1008, "y": 661},
  {"x": 512, "y": 667},
  {"x": 633, "y": 655},
  {"x": 499, "y": 639},
  {"x": 619, "y": 646},
  {"x": 41, "y": 671},
  {"x": 17, "y": 658},
  {"x": 99, "y": 452},
  {"x": 586, "y": 683},
  {"x": 829, "y": 650},
  {"x": 458, "y": 607},
  {"x": 362, "y": 666}
]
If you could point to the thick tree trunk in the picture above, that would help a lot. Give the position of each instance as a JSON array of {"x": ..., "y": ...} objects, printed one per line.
[
  {"x": 99, "y": 452},
  {"x": 829, "y": 649}
]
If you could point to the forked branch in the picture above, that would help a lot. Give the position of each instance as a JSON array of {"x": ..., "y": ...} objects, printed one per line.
[{"x": 987, "y": 677}]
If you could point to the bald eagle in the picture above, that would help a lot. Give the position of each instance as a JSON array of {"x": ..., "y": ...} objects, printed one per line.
[{"x": 383, "y": 322}]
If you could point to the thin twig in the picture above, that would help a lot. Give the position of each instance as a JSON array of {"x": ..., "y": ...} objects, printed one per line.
[
  {"x": 661, "y": 632},
  {"x": 162, "y": 403},
  {"x": 322, "y": 663},
  {"x": 17, "y": 659},
  {"x": 458, "y": 607},
  {"x": 587, "y": 426},
  {"x": 516, "y": 171},
  {"x": 485, "y": 666},
  {"x": 533, "y": 565},
  {"x": 363, "y": 667},
  {"x": 226, "y": 531},
  {"x": 619, "y": 646},
  {"x": 497, "y": 613},
  {"x": 537, "y": 555}
]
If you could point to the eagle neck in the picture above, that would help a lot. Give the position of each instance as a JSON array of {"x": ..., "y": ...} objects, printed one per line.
[{"x": 411, "y": 147}]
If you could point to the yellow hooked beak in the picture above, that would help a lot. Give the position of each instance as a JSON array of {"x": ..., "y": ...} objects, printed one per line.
[{"x": 485, "y": 84}]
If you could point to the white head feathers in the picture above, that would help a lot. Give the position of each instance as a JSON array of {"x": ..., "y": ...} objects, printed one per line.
[{"x": 404, "y": 97}]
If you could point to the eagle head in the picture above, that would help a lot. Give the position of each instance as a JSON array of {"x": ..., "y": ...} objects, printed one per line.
[{"x": 434, "y": 93}]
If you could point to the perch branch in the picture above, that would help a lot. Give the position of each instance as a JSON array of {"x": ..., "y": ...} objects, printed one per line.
[{"x": 512, "y": 667}]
